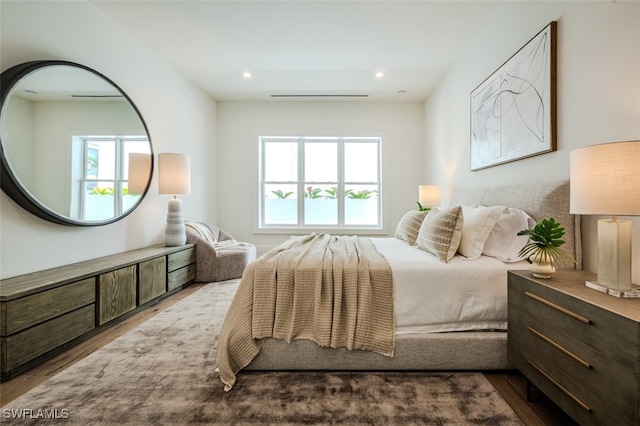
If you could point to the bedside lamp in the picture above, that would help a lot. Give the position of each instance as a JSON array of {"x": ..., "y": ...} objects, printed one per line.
[
  {"x": 139, "y": 173},
  {"x": 605, "y": 180},
  {"x": 174, "y": 178},
  {"x": 428, "y": 196}
]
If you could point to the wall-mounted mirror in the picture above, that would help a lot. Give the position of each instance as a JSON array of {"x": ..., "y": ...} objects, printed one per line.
[{"x": 67, "y": 135}]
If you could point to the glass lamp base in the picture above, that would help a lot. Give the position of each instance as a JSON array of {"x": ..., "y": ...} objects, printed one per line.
[{"x": 632, "y": 293}]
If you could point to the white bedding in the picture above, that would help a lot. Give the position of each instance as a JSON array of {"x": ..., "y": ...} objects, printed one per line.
[{"x": 431, "y": 296}]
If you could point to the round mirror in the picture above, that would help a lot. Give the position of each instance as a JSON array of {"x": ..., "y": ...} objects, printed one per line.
[{"x": 75, "y": 149}]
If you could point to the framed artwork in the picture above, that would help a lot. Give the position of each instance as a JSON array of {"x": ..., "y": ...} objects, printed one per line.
[{"x": 513, "y": 111}]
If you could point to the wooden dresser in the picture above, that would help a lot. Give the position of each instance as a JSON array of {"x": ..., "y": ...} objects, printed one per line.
[
  {"x": 46, "y": 312},
  {"x": 577, "y": 345}
]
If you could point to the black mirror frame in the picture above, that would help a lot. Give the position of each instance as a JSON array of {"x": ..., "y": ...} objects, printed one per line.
[{"x": 11, "y": 185}]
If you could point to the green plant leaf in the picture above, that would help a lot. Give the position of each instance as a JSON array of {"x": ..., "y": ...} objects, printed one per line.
[
  {"x": 278, "y": 193},
  {"x": 422, "y": 208}
]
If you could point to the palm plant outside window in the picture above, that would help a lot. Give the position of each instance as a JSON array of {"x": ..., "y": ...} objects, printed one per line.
[{"x": 320, "y": 182}]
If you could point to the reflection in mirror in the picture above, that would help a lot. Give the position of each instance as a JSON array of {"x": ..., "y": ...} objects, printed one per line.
[{"x": 67, "y": 135}]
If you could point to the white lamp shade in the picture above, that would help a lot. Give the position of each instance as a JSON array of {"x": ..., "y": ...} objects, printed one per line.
[
  {"x": 174, "y": 174},
  {"x": 139, "y": 172},
  {"x": 429, "y": 195},
  {"x": 605, "y": 179}
]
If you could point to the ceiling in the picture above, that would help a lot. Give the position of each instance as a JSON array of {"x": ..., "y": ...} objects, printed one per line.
[{"x": 306, "y": 49}]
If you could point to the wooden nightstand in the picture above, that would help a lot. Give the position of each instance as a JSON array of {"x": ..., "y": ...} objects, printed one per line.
[{"x": 577, "y": 345}]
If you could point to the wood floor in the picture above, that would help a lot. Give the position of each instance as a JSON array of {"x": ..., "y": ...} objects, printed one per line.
[{"x": 509, "y": 384}]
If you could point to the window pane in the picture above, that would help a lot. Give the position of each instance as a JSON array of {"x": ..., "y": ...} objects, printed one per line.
[
  {"x": 361, "y": 162},
  {"x": 280, "y": 205},
  {"x": 320, "y": 205},
  {"x": 335, "y": 186},
  {"x": 321, "y": 161},
  {"x": 280, "y": 161},
  {"x": 100, "y": 202},
  {"x": 361, "y": 205},
  {"x": 101, "y": 161}
]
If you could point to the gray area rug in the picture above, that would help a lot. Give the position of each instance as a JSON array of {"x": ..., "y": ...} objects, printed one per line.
[{"x": 162, "y": 372}]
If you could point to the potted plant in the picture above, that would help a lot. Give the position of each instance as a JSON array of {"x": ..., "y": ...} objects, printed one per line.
[{"x": 543, "y": 249}]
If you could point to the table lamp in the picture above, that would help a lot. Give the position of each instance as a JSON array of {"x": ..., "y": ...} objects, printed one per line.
[
  {"x": 139, "y": 173},
  {"x": 174, "y": 178},
  {"x": 428, "y": 196},
  {"x": 605, "y": 180}
]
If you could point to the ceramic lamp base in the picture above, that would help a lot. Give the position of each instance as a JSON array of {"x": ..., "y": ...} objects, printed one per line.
[{"x": 175, "y": 233}]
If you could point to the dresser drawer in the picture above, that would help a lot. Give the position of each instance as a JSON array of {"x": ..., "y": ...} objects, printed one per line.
[
  {"x": 182, "y": 276},
  {"x": 18, "y": 314},
  {"x": 26, "y": 345},
  {"x": 116, "y": 293},
  {"x": 152, "y": 279},
  {"x": 181, "y": 259},
  {"x": 595, "y": 327}
]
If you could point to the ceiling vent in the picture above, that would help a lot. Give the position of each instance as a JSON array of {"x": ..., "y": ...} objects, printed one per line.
[{"x": 319, "y": 96}]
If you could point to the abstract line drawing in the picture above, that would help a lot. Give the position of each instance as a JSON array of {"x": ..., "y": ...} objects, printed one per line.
[{"x": 513, "y": 112}]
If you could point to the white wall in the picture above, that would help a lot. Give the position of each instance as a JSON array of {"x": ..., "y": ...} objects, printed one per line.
[
  {"x": 240, "y": 123},
  {"x": 598, "y": 96},
  {"x": 180, "y": 118},
  {"x": 598, "y": 101}
]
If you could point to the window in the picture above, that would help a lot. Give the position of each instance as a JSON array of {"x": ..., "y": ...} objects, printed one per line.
[
  {"x": 101, "y": 170},
  {"x": 320, "y": 182}
]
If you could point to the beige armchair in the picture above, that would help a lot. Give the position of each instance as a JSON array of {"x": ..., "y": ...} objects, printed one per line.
[{"x": 219, "y": 256}]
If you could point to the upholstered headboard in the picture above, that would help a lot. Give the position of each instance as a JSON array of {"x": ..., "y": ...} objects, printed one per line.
[{"x": 540, "y": 200}]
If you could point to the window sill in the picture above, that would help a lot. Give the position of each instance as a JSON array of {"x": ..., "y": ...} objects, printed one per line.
[{"x": 334, "y": 231}]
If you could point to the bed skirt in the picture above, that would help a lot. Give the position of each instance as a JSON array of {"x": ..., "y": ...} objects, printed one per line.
[{"x": 473, "y": 350}]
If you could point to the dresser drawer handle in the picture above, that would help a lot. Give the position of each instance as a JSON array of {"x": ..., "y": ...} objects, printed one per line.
[
  {"x": 559, "y": 386},
  {"x": 559, "y": 308},
  {"x": 560, "y": 348}
]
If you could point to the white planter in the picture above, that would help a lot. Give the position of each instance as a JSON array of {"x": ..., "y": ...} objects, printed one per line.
[
  {"x": 320, "y": 211},
  {"x": 280, "y": 211},
  {"x": 360, "y": 211},
  {"x": 542, "y": 270},
  {"x": 98, "y": 207}
]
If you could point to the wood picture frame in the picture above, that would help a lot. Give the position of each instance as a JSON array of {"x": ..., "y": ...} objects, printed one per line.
[{"x": 513, "y": 111}]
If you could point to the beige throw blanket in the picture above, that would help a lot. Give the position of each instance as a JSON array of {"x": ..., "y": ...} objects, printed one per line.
[{"x": 336, "y": 291}]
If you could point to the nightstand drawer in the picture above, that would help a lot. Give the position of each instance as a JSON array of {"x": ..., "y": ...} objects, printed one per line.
[
  {"x": 586, "y": 322},
  {"x": 578, "y": 346},
  {"x": 592, "y": 384}
]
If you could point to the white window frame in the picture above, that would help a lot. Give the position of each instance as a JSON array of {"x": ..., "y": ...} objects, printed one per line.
[
  {"x": 300, "y": 227},
  {"x": 119, "y": 182}
]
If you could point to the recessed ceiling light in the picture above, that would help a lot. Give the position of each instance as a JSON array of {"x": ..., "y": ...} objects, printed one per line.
[
  {"x": 246, "y": 74},
  {"x": 379, "y": 74}
]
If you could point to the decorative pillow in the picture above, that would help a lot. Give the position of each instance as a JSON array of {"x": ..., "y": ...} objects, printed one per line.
[
  {"x": 409, "y": 226},
  {"x": 441, "y": 231},
  {"x": 503, "y": 243},
  {"x": 478, "y": 223}
]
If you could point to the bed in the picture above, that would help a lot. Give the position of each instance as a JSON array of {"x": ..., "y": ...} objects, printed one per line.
[{"x": 464, "y": 330}]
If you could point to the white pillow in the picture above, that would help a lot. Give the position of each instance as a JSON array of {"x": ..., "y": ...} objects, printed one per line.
[
  {"x": 478, "y": 223},
  {"x": 440, "y": 232},
  {"x": 503, "y": 242}
]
